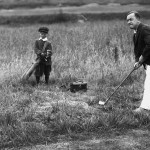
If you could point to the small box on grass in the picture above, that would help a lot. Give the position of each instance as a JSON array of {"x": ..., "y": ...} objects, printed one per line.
[{"x": 78, "y": 86}]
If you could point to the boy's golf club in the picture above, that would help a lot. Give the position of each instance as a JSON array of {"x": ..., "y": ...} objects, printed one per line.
[{"x": 104, "y": 103}]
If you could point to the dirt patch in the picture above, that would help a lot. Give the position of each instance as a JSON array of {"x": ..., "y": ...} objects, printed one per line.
[{"x": 90, "y": 8}]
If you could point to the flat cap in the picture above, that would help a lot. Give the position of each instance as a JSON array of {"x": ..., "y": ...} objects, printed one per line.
[{"x": 43, "y": 29}]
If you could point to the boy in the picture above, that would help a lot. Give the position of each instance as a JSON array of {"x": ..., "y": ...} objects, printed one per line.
[{"x": 43, "y": 50}]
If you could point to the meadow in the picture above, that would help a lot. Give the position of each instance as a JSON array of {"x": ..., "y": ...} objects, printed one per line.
[{"x": 100, "y": 53}]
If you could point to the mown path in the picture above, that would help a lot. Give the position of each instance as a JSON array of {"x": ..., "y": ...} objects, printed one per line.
[{"x": 90, "y": 8}]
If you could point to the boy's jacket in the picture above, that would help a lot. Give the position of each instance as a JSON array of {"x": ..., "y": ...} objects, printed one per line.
[{"x": 38, "y": 49}]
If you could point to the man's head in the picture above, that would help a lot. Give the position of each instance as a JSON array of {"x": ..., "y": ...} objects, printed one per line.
[
  {"x": 43, "y": 31},
  {"x": 133, "y": 19}
]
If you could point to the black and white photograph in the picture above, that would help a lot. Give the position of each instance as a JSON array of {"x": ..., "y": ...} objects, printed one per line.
[{"x": 74, "y": 74}]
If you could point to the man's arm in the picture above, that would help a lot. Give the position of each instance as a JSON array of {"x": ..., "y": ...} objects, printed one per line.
[{"x": 146, "y": 52}]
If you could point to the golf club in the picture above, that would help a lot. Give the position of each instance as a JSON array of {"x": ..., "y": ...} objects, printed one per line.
[{"x": 104, "y": 103}]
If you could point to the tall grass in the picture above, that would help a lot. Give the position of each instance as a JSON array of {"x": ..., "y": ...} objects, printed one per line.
[{"x": 100, "y": 53}]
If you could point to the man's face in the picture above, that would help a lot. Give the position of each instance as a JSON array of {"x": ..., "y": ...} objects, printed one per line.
[{"x": 132, "y": 21}]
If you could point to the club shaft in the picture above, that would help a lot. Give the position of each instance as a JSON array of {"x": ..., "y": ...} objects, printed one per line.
[{"x": 119, "y": 86}]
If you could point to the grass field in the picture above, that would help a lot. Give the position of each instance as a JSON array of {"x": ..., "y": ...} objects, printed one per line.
[{"x": 100, "y": 53}]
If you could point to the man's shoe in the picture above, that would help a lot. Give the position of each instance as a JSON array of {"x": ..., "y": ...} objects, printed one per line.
[{"x": 140, "y": 111}]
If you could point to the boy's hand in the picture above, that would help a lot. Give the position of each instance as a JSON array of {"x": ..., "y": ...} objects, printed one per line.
[
  {"x": 43, "y": 54},
  {"x": 49, "y": 52}
]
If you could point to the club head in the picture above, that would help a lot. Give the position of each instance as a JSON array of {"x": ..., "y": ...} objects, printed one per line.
[{"x": 101, "y": 103}]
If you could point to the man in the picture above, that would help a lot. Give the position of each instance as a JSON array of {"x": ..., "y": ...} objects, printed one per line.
[
  {"x": 141, "y": 39},
  {"x": 43, "y": 50}
]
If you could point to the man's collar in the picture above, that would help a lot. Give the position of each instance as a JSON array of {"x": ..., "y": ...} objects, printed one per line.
[
  {"x": 138, "y": 26},
  {"x": 135, "y": 31},
  {"x": 45, "y": 39}
]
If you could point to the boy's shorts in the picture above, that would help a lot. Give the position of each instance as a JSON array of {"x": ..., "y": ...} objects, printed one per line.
[{"x": 43, "y": 69}]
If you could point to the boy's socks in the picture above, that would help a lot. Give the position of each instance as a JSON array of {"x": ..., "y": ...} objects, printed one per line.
[
  {"x": 37, "y": 79},
  {"x": 46, "y": 80}
]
